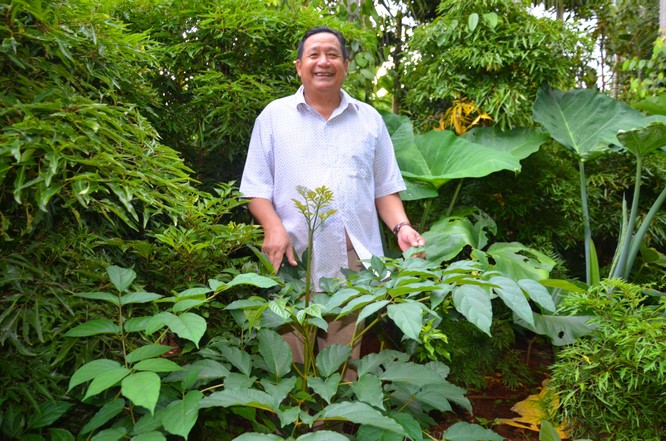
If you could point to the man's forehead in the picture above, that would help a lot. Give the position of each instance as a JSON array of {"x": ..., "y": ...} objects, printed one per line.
[{"x": 323, "y": 40}]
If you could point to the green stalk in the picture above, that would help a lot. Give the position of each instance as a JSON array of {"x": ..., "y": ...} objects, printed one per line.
[
  {"x": 621, "y": 269},
  {"x": 642, "y": 231},
  {"x": 586, "y": 223},
  {"x": 455, "y": 198}
]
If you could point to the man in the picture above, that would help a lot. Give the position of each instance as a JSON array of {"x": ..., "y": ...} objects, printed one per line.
[{"x": 321, "y": 136}]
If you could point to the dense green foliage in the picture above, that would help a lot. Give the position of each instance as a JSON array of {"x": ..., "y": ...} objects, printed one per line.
[
  {"x": 611, "y": 382},
  {"x": 493, "y": 53}
]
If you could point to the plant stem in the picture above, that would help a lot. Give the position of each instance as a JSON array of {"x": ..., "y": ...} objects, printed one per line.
[
  {"x": 642, "y": 231},
  {"x": 455, "y": 198},
  {"x": 586, "y": 222},
  {"x": 621, "y": 270}
]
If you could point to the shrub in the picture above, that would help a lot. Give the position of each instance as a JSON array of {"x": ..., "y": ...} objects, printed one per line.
[{"x": 612, "y": 381}]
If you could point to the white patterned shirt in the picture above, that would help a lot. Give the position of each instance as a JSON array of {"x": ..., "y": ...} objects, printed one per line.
[{"x": 351, "y": 153}]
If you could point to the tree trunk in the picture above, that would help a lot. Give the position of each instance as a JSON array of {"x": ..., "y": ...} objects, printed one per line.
[{"x": 662, "y": 18}]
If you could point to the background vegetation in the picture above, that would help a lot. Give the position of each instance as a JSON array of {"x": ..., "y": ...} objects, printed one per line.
[{"x": 124, "y": 127}]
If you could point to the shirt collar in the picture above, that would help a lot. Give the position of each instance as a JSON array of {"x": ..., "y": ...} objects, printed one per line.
[{"x": 346, "y": 101}]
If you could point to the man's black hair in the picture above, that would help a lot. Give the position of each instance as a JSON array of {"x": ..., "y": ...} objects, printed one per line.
[{"x": 319, "y": 29}]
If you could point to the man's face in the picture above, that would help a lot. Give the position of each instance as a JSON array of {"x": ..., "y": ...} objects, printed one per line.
[{"x": 322, "y": 67}]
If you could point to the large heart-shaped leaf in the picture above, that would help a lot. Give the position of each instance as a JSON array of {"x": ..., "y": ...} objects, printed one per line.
[
  {"x": 275, "y": 352},
  {"x": 645, "y": 140},
  {"x": 584, "y": 120},
  {"x": 521, "y": 142}
]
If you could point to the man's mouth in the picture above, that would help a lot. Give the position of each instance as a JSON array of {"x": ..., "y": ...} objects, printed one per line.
[{"x": 323, "y": 74}]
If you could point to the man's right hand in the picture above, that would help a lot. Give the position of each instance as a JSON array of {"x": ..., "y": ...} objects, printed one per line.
[{"x": 277, "y": 245}]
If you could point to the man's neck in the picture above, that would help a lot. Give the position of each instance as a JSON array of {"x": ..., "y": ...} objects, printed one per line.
[{"x": 324, "y": 103}]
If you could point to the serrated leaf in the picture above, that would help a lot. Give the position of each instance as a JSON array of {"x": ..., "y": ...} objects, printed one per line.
[
  {"x": 331, "y": 358},
  {"x": 240, "y": 359},
  {"x": 109, "y": 411},
  {"x": 473, "y": 302},
  {"x": 149, "y": 436},
  {"x": 325, "y": 388},
  {"x": 91, "y": 370},
  {"x": 121, "y": 278},
  {"x": 463, "y": 431},
  {"x": 180, "y": 416},
  {"x": 275, "y": 351},
  {"x": 538, "y": 293},
  {"x": 147, "y": 351},
  {"x": 408, "y": 317},
  {"x": 139, "y": 297},
  {"x": 361, "y": 413},
  {"x": 93, "y": 327},
  {"x": 106, "y": 380},
  {"x": 513, "y": 297},
  {"x": 142, "y": 389},
  {"x": 368, "y": 389},
  {"x": 157, "y": 365},
  {"x": 106, "y": 296}
]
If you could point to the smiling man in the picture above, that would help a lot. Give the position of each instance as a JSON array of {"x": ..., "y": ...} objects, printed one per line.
[{"x": 321, "y": 136}]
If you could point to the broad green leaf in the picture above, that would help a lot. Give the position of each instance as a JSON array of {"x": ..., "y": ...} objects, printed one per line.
[
  {"x": 361, "y": 413},
  {"x": 189, "y": 326},
  {"x": 472, "y": 21},
  {"x": 142, "y": 389},
  {"x": 276, "y": 352},
  {"x": 410, "y": 424},
  {"x": 241, "y": 360},
  {"x": 436, "y": 394},
  {"x": 411, "y": 373},
  {"x": 331, "y": 358},
  {"x": 47, "y": 414},
  {"x": 106, "y": 380},
  {"x": 180, "y": 416},
  {"x": 157, "y": 365},
  {"x": 108, "y": 297},
  {"x": 654, "y": 105},
  {"x": 517, "y": 261},
  {"x": 139, "y": 297},
  {"x": 448, "y": 236},
  {"x": 279, "y": 391},
  {"x": 370, "y": 309},
  {"x": 643, "y": 141},
  {"x": 252, "y": 302},
  {"x": 378, "y": 434},
  {"x": 91, "y": 370},
  {"x": 548, "y": 432},
  {"x": 521, "y": 142},
  {"x": 325, "y": 388},
  {"x": 538, "y": 293},
  {"x": 147, "y": 351},
  {"x": 113, "y": 434},
  {"x": 513, "y": 297},
  {"x": 202, "y": 370},
  {"x": 149, "y": 436},
  {"x": 437, "y": 157},
  {"x": 236, "y": 397},
  {"x": 253, "y": 280},
  {"x": 258, "y": 437},
  {"x": 584, "y": 120},
  {"x": 148, "y": 423},
  {"x": 93, "y": 327},
  {"x": 185, "y": 304},
  {"x": 121, "y": 278},
  {"x": 491, "y": 19},
  {"x": 473, "y": 302},
  {"x": 368, "y": 389},
  {"x": 322, "y": 435},
  {"x": 109, "y": 411},
  {"x": 463, "y": 431},
  {"x": 60, "y": 435},
  {"x": 562, "y": 330},
  {"x": 417, "y": 190},
  {"x": 136, "y": 324},
  {"x": 288, "y": 416},
  {"x": 407, "y": 316},
  {"x": 197, "y": 292}
]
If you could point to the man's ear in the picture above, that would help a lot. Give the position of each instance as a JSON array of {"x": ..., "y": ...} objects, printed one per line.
[{"x": 298, "y": 67}]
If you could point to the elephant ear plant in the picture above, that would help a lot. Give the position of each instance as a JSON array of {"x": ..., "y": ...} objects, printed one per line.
[{"x": 590, "y": 123}]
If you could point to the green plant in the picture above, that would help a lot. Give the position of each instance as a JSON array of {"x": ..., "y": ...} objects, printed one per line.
[
  {"x": 589, "y": 123},
  {"x": 611, "y": 382},
  {"x": 131, "y": 390}
]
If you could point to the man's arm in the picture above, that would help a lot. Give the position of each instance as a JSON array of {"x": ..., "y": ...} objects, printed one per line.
[
  {"x": 276, "y": 239},
  {"x": 393, "y": 214}
]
